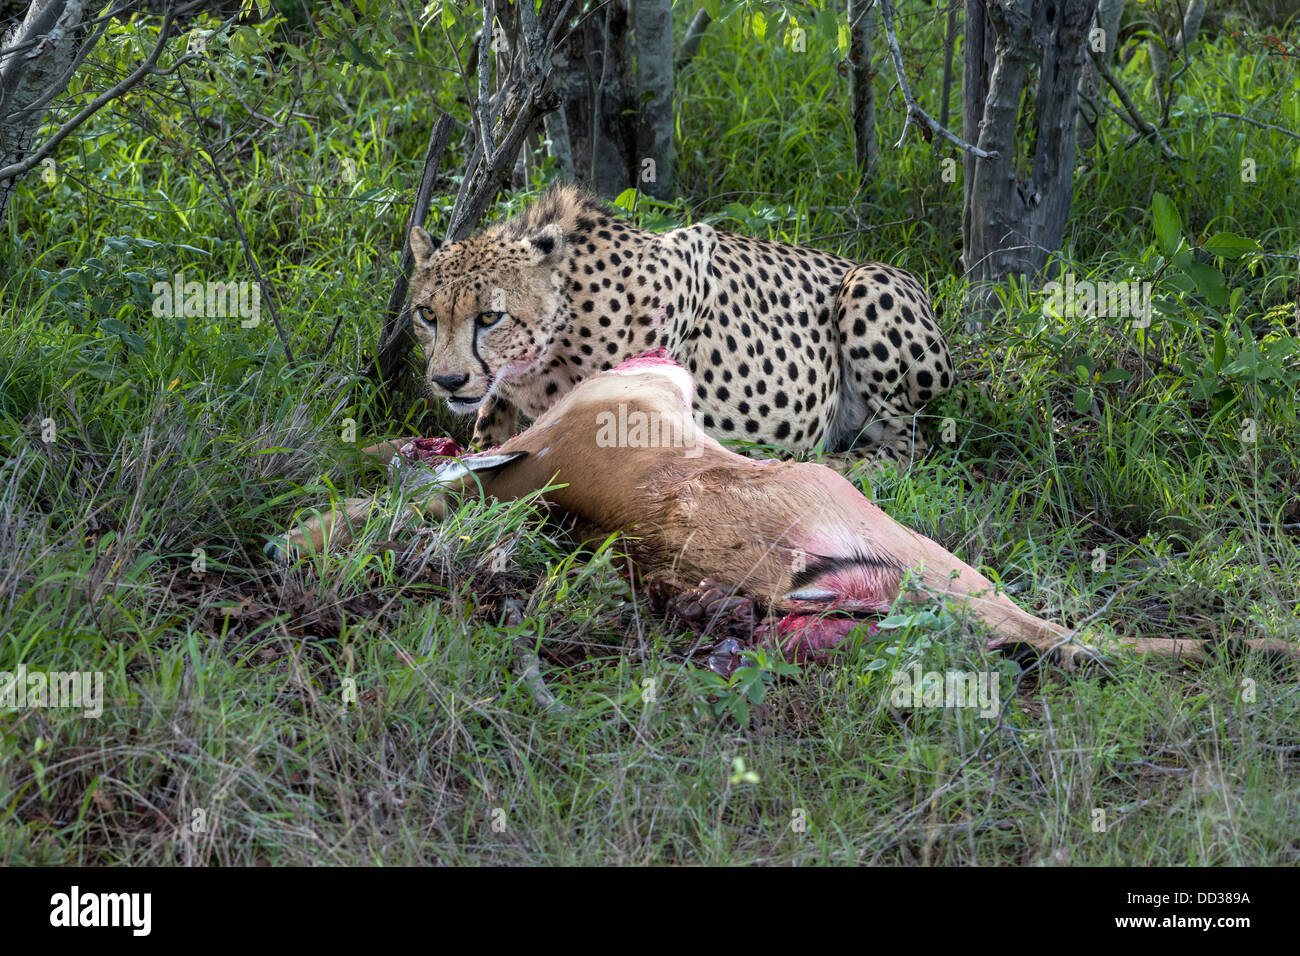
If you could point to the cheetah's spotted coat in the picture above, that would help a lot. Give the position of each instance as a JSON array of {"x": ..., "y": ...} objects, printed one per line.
[{"x": 787, "y": 346}]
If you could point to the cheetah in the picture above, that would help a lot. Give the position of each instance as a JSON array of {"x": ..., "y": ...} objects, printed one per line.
[{"x": 788, "y": 346}]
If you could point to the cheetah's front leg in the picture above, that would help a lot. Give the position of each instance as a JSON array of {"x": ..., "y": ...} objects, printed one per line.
[{"x": 497, "y": 420}]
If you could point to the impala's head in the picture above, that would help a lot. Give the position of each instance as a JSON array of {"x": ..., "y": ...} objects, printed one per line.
[{"x": 485, "y": 309}]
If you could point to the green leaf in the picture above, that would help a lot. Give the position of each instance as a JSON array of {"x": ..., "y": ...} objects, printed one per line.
[
  {"x": 1247, "y": 361},
  {"x": 1115, "y": 375},
  {"x": 1209, "y": 282},
  {"x": 1229, "y": 245},
  {"x": 1280, "y": 349},
  {"x": 1082, "y": 400},
  {"x": 102, "y": 371},
  {"x": 1220, "y": 350},
  {"x": 1204, "y": 388},
  {"x": 1234, "y": 300},
  {"x": 1168, "y": 224},
  {"x": 626, "y": 199},
  {"x": 924, "y": 619},
  {"x": 357, "y": 56},
  {"x": 828, "y": 24},
  {"x": 736, "y": 211}
]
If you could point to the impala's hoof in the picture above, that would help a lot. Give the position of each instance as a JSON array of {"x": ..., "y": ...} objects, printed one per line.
[
  {"x": 1081, "y": 659},
  {"x": 277, "y": 549},
  {"x": 725, "y": 657},
  {"x": 1070, "y": 657}
]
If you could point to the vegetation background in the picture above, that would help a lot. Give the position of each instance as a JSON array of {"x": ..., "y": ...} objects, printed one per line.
[{"x": 361, "y": 707}]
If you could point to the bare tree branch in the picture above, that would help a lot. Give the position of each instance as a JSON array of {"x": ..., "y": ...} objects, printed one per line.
[
  {"x": 914, "y": 110},
  {"x": 694, "y": 34},
  {"x": 228, "y": 200},
  {"x": 483, "y": 114},
  {"x": 1255, "y": 122},
  {"x": 144, "y": 69},
  {"x": 1141, "y": 124},
  {"x": 394, "y": 341}
]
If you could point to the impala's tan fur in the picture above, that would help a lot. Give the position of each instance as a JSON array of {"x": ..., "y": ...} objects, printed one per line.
[{"x": 698, "y": 511}]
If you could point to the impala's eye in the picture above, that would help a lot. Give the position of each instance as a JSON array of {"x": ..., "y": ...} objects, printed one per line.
[
  {"x": 488, "y": 319},
  {"x": 425, "y": 315}
]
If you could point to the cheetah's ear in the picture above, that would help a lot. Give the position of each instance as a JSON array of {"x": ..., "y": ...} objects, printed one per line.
[
  {"x": 423, "y": 245},
  {"x": 545, "y": 245}
]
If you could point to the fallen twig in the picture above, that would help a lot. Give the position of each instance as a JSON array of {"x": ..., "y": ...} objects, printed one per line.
[{"x": 528, "y": 667}]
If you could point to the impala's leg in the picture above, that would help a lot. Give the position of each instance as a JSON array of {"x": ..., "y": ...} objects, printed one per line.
[
  {"x": 1210, "y": 649},
  {"x": 334, "y": 526},
  {"x": 712, "y": 608},
  {"x": 1014, "y": 627},
  {"x": 381, "y": 454}
]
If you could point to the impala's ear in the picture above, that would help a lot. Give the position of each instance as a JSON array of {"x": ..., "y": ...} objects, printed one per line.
[
  {"x": 423, "y": 245},
  {"x": 545, "y": 245}
]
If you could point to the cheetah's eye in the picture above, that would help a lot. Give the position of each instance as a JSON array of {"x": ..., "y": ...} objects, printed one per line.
[
  {"x": 425, "y": 315},
  {"x": 488, "y": 319}
]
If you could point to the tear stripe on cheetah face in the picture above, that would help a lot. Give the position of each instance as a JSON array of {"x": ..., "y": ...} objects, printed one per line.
[{"x": 787, "y": 346}]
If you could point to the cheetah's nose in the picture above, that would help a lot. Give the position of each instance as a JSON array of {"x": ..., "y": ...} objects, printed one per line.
[{"x": 451, "y": 382}]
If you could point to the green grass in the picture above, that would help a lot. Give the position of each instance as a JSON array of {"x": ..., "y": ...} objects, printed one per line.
[{"x": 363, "y": 707}]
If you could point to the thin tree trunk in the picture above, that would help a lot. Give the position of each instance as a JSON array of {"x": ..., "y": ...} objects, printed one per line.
[
  {"x": 653, "y": 22},
  {"x": 694, "y": 34},
  {"x": 861, "y": 94},
  {"x": 559, "y": 145},
  {"x": 1011, "y": 225},
  {"x": 596, "y": 82},
  {"x": 949, "y": 48},
  {"x": 976, "y": 65},
  {"x": 45, "y": 48},
  {"x": 1193, "y": 14},
  {"x": 1107, "y": 22}
]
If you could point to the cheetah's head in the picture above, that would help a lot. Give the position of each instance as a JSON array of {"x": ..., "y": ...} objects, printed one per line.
[{"x": 485, "y": 309}]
